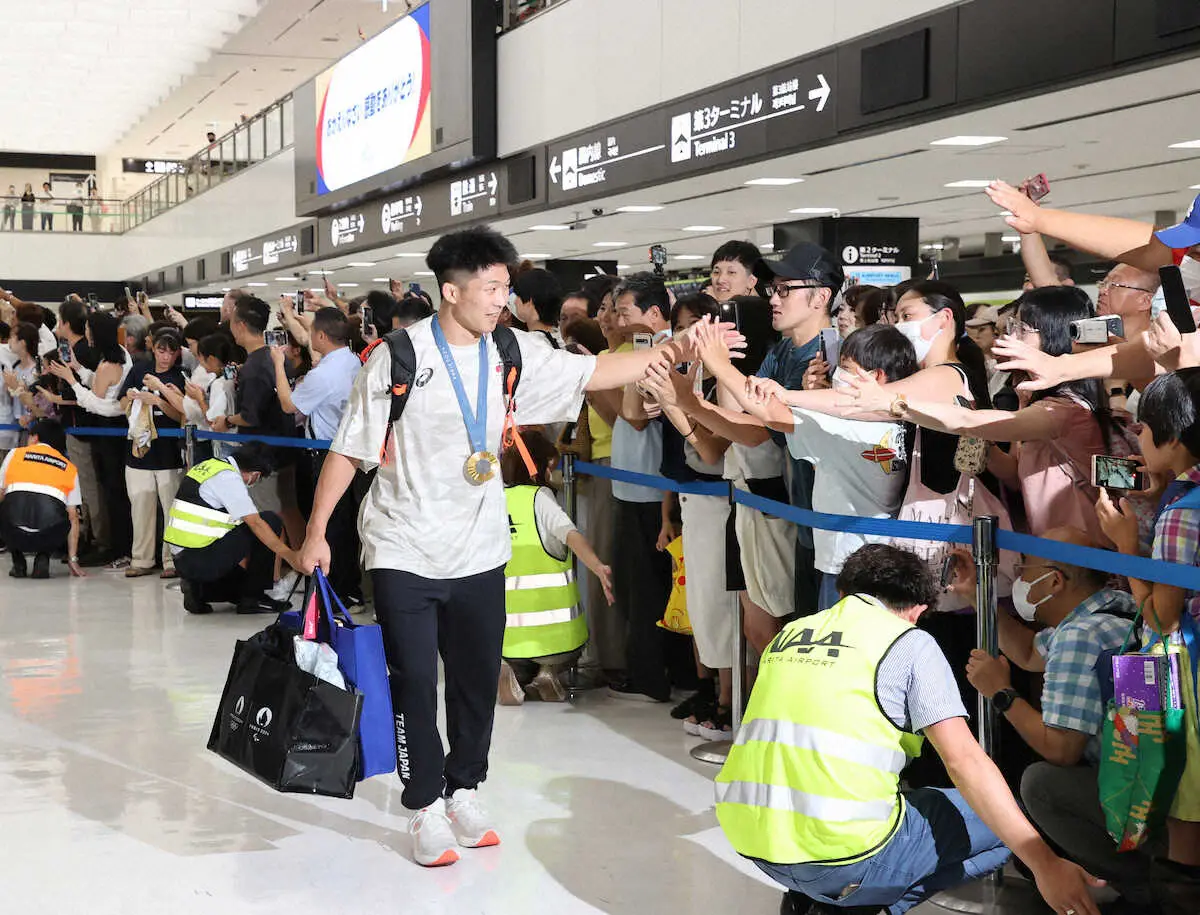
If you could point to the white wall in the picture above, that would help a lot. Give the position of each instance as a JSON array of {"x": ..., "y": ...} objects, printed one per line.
[
  {"x": 588, "y": 61},
  {"x": 252, "y": 203}
]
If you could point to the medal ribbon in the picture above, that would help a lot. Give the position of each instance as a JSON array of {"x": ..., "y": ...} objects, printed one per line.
[{"x": 475, "y": 422}]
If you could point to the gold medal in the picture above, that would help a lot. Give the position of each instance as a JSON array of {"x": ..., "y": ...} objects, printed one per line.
[{"x": 480, "y": 467}]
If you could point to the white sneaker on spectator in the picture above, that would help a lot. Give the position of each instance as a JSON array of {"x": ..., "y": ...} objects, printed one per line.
[
  {"x": 471, "y": 822},
  {"x": 283, "y": 588},
  {"x": 433, "y": 839}
]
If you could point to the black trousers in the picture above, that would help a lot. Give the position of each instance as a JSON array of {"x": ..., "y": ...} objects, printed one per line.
[
  {"x": 109, "y": 454},
  {"x": 462, "y": 619},
  {"x": 642, "y": 582},
  {"x": 341, "y": 532},
  {"x": 216, "y": 572}
]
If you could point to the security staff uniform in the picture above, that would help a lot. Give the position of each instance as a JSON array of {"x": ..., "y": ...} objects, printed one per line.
[{"x": 39, "y": 485}]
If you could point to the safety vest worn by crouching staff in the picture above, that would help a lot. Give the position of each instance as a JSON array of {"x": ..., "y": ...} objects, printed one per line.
[
  {"x": 813, "y": 775},
  {"x": 193, "y": 523},
  {"x": 541, "y": 597},
  {"x": 36, "y": 485}
]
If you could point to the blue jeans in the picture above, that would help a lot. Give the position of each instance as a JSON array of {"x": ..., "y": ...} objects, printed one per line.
[
  {"x": 829, "y": 592},
  {"x": 941, "y": 843}
]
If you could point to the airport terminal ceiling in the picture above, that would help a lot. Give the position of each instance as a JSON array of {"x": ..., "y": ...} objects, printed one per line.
[{"x": 1107, "y": 147}]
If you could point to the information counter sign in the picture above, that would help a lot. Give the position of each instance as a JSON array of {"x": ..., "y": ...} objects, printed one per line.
[{"x": 786, "y": 108}]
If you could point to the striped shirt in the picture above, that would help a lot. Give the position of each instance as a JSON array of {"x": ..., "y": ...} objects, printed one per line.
[{"x": 915, "y": 685}]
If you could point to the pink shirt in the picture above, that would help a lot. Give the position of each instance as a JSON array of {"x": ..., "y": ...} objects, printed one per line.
[{"x": 1049, "y": 479}]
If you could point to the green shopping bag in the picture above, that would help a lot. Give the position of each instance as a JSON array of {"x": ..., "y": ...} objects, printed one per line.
[{"x": 1143, "y": 750}]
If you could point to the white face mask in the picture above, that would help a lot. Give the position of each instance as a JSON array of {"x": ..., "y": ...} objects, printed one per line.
[
  {"x": 1190, "y": 268},
  {"x": 1020, "y": 597},
  {"x": 912, "y": 330},
  {"x": 841, "y": 378}
]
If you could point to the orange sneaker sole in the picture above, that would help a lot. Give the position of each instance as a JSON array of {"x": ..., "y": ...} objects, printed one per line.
[
  {"x": 450, "y": 856},
  {"x": 488, "y": 839}
]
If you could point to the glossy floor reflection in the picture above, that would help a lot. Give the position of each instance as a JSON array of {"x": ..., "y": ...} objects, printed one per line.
[{"x": 111, "y": 804}]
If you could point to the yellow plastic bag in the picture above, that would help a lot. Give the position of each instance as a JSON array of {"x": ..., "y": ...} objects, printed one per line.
[{"x": 675, "y": 617}]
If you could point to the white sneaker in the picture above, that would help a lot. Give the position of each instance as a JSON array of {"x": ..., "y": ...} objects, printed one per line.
[
  {"x": 472, "y": 825},
  {"x": 283, "y": 588},
  {"x": 433, "y": 839}
]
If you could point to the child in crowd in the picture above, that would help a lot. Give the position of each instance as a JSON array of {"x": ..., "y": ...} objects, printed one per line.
[
  {"x": 1170, "y": 440},
  {"x": 546, "y": 627}
]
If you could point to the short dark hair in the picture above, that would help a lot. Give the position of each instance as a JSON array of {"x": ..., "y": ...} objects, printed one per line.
[
  {"x": 167, "y": 337},
  {"x": 103, "y": 327},
  {"x": 74, "y": 314},
  {"x": 698, "y": 303},
  {"x": 542, "y": 288},
  {"x": 411, "y": 309},
  {"x": 866, "y": 302},
  {"x": 1062, "y": 266},
  {"x": 595, "y": 288},
  {"x": 468, "y": 252},
  {"x": 255, "y": 457},
  {"x": 541, "y": 451},
  {"x": 648, "y": 291},
  {"x": 335, "y": 325},
  {"x": 743, "y": 252},
  {"x": 50, "y": 432},
  {"x": 587, "y": 333},
  {"x": 881, "y": 346},
  {"x": 253, "y": 312},
  {"x": 899, "y": 578},
  {"x": 1170, "y": 409},
  {"x": 216, "y": 345},
  {"x": 29, "y": 313},
  {"x": 28, "y": 334},
  {"x": 199, "y": 328}
]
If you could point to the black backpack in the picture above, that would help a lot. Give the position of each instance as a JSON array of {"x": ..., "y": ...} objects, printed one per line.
[{"x": 404, "y": 368}]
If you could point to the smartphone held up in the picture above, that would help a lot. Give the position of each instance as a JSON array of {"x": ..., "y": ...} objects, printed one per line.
[{"x": 1109, "y": 472}]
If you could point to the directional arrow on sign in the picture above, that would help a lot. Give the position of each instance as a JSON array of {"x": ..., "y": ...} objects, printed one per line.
[
  {"x": 555, "y": 169},
  {"x": 419, "y": 206},
  {"x": 821, "y": 92},
  {"x": 493, "y": 183}
]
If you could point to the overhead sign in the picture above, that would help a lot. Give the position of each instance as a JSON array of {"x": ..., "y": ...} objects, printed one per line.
[
  {"x": 786, "y": 108},
  {"x": 153, "y": 166},
  {"x": 274, "y": 251},
  {"x": 203, "y": 301},
  {"x": 373, "y": 106},
  {"x": 434, "y": 208}
]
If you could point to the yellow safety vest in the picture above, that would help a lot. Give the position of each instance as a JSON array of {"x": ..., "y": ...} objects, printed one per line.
[
  {"x": 191, "y": 522},
  {"x": 813, "y": 775},
  {"x": 541, "y": 597}
]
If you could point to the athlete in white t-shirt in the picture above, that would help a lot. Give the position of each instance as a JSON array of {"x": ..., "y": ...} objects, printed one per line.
[{"x": 434, "y": 525}]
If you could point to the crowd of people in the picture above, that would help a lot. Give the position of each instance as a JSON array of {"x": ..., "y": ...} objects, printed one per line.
[
  {"x": 45, "y": 205},
  {"x": 898, "y": 402}
]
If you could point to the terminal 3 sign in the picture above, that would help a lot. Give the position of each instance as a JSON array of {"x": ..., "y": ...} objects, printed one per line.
[
  {"x": 786, "y": 108},
  {"x": 431, "y": 208}
]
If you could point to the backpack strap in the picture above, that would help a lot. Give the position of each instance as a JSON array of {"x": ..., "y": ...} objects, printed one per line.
[
  {"x": 510, "y": 358},
  {"x": 404, "y": 370}
]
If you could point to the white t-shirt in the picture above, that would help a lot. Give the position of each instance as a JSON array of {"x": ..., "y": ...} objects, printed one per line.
[
  {"x": 228, "y": 492},
  {"x": 422, "y": 515},
  {"x": 554, "y": 525},
  {"x": 74, "y": 497},
  {"x": 860, "y": 470}
]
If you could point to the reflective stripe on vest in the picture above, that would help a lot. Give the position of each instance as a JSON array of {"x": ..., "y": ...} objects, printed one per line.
[
  {"x": 39, "y": 488},
  {"x": 813, "y": 776},
  {"x": 191, "y": 522},
  {"x": 541, "y": 596}
]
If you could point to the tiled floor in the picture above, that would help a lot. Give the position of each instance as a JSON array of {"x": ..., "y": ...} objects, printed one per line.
[{"x": 109, "y": 802}]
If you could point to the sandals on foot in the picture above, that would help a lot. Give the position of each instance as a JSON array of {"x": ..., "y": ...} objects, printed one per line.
[{"x": 719, "y": 726}]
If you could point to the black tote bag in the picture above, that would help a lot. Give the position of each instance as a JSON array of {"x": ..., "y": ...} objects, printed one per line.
[{"x": 286, "y": 727}]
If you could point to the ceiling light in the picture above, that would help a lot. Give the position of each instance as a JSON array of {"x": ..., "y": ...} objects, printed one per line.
[
  {"x": 937, "y": 246},
  {"x": 534, "y": 257},
  {"x": 1010, "y": 237},
  {"x": 316, "y": 290},
  {"x": 285, "y": 279},
  {"x": 813, "y": 211},
  {"x": 622, "y": 266},
  {"x": 967, "y": 140},
  {"x": 609, "y": 244},
  {"x": 1194, "y": 187},
  {"x": 549, "y": 227},
  {"x": 773, "y": 182},
  {"x": 320, "y": 273},
  {"x": 769, "y": 246},
  {"x": 639, "y": 209},
  {"x": 702, "y": 228},
  {"x": 423, "y": 273},
  {"x": 409, "y": 254},
  {"x": 381, "y": 279},
  {"x": 361, "y": 264},
  {"x": 256, "y": 284},
  {"x": 347, "y": 285},
  {"x": 689, "y": 257},
  {"x": 224, "y": 288},
  {"x": 1187, "y": 144},
  {"x": 970, "y": 182}
]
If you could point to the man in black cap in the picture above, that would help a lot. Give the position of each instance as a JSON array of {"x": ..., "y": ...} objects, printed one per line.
[{"x": 806, "y": 281}]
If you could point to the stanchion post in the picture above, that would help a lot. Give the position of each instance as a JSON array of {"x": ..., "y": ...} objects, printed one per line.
[
  {"x": 569, "y": 493},
  {"x": 985, "y": 556},
  {"x": 189, "y": 445}
]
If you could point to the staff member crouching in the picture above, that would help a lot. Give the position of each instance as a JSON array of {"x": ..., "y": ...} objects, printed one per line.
[
  {"x": 39, "y": 501},
  {"x": 811, "y": 789},
  {"x": 545, "y": 626},
  {"x": 224, "y": 549}
]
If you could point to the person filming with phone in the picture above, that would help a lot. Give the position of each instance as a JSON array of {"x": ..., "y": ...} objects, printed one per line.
[{"x": 39, "y": 501}]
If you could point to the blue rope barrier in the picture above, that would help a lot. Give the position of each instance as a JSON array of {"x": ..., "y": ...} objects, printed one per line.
[
  {"x": 1167, "y": 573},
  {"x": 699, "y": 488},
  {"x": 279, "y": 441}
]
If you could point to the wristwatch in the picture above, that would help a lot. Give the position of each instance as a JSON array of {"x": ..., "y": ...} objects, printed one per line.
[
  {"x": 1004, "y": 699},
  {"x": 899, "y": 406}
]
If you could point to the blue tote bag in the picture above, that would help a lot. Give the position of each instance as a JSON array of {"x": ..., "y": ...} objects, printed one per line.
[{"x": 361, "y": 659}]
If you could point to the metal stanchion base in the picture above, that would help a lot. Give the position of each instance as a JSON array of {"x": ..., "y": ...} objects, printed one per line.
[
  {"x": 576, "y": 681},
  {"x": 988, "y": 896},
  {"x": 712, "y": 751}
]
